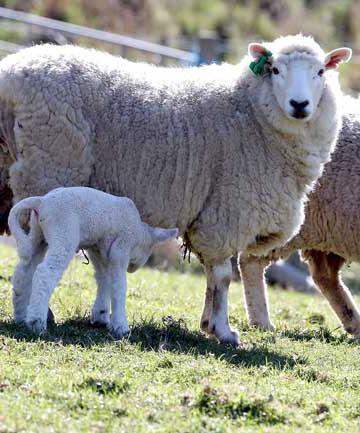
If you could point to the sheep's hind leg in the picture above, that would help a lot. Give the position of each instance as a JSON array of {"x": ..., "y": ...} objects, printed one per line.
[
  {"x": 208, "y": 306},
  {"x": 100, "y": 313},
  {"x": 215, "y": 318},
  {"x": 325, "y": 270},
  {"x": 45, "y": 279},
  {"x": 22, "y": 283},
  {"x": 255, "y": 291}
]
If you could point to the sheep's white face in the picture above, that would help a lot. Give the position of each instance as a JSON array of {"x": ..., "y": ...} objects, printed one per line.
[
  {"x": 298, "y": 79},
  {"x": 141, "y": 252},
  {"x": 298, "y": 86}
]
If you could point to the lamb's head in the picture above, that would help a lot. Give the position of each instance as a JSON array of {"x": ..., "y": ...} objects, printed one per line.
[
  {"x": 143, "y": 249},
  {"x": 296, "y": 68}
]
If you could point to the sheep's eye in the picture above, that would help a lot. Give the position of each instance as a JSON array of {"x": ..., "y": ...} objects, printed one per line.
[
  {"x": 321, "y": 72},
  {"x": 275, "y": 71}
]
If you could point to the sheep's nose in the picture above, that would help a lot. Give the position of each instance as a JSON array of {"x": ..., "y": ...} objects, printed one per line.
[{"x": 299, "y": 106}]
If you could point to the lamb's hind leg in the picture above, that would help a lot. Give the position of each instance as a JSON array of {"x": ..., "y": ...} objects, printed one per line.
[
  {"x": 22, "y": 283},
  {"x": 100, "y": 313},
  {"x": 252, "y": 274},
  {"x": 325, "y": 270},
  {"x": 215, "y": 317},
  {"x": 46, "y": 277}
]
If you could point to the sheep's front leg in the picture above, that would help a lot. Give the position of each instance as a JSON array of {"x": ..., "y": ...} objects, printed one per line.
[
  {"x": 215, "y": 318},
  {"x": 100, "y": 313},
  {"x": 252, "y": 274},
  {"x": 46, "y": 277},
  {"x": 118, "y": 322},
  {"x": 22, "y": 283}
]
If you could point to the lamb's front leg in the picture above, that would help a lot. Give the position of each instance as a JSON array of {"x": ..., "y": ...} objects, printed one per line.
[
  {"x": 118, "y": 286},
  {"x": 100, "y": 313},
  {"x": 215, "y": 318}
]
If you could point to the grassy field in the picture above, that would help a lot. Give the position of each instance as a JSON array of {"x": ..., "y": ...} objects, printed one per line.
[{"x": 167, "y": 377}]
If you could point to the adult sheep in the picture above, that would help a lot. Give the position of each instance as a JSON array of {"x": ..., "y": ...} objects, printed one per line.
[
  {"x": 329, "y": 236},
  {"x": 222, "y": 153}
]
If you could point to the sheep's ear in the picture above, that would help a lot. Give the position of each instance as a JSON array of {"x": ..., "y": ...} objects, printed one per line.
[
  {"x": 160, "y": 235},
  {"x": 256, "y": 50},
  {"x": 335, "y": 57}
]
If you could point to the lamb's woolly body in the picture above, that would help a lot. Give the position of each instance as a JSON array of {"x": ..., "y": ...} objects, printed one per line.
[
  {"x": 94, "y": 216},
  {"x": 198, "y": 148},
  {"x": 208, "y": 149},
  {"x": 330, "y": 233}
]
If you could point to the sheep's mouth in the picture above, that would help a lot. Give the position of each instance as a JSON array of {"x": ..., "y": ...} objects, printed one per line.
[{"x": 300, "y": 114}]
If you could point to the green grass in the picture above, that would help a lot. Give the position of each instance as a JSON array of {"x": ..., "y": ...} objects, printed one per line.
[{"x": 167, "y": 376}]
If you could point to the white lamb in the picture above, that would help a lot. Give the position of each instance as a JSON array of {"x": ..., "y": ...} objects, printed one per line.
[{"x": 64, "y": 221}]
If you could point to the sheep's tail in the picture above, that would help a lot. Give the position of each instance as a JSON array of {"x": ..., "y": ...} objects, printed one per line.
[
  {"x": 24, "y": 243},
  {"x": 9, "y": 97},
  {"x": 7, "y": 122}
]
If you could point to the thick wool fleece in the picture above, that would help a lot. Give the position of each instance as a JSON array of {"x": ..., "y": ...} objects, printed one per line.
[{"x": 205, "y": 149}]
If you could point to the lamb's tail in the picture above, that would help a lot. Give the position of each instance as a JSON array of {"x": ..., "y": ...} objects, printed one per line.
[{"x": 24, "y": 242}]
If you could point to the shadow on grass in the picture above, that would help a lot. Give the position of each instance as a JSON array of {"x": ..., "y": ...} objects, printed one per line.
[
  {"x": 174, "y": 336},
  {"x": 169, "y": 336},
  {"x": 322, "y": 334}
]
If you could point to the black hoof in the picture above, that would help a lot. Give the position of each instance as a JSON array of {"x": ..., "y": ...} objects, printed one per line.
[
  {"x": 50, "y": 316},
  {"x": 98, "y": 324}
]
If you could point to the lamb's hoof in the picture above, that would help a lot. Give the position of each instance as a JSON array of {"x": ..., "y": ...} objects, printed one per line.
[
  {"x": 119, "y": 331},
  {"x": 50, "y": 316},
  {"x": 100, "y": 318},
  {"x": 98, "y": 324},
  {"x": 37, "y": 326}
]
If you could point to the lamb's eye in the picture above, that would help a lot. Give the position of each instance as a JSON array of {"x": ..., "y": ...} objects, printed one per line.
[
  {"x": 275, "y": 70},
  {"x": 321, "y": 72}
]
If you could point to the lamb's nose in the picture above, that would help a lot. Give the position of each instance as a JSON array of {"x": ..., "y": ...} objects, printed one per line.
[{"x": 299, "y": 106}]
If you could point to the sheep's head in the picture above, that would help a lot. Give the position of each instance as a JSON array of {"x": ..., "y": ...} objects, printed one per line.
[
  {"x": 297, "y": 71},
  {"x": 142, "y": 251}
]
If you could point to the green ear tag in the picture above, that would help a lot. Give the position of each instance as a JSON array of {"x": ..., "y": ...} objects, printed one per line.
[{"x": 258, "y": 66}]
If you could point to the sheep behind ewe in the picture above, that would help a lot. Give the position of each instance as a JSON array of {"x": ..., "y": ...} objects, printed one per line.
[
  {"x": 329, "y": 236},
  {"x": 224, "y": 154}
]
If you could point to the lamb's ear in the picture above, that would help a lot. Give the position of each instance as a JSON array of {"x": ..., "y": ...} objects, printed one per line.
[
  {"x": 335, "y": 57},
  {"x": 160, "y": 235},
  {"x": 256, "y": 50}
]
